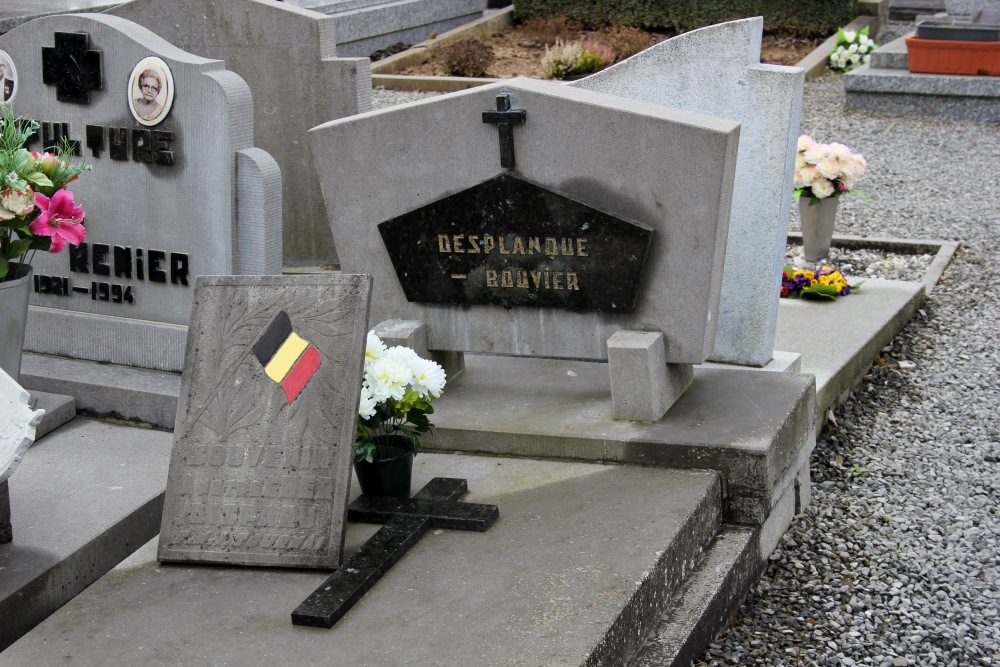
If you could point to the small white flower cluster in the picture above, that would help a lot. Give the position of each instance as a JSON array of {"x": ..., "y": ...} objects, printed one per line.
[
  {"x": 823, "y": 170},
  {"x": 853, "y": 48},
  {"x": 391, "y": 372}
]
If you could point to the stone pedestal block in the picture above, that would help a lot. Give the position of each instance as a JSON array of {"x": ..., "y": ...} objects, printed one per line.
[
  {"x": 413, "y": 334},
  {"x": 643, "y": 385}
]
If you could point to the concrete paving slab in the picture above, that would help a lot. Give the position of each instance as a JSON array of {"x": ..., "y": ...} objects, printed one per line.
[
  {"x": 59, "y": 409},
  {"x": 576, "y": 570},
  {"x": 83, "y": 498},
  {"x": 860, "y": 326}
]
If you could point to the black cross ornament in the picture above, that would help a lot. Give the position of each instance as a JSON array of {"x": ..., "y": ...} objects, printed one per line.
[
  {"x": 72, "y": 67},
  {"x": 505, "y": 119},
  {"x": 406, "y": 520}
]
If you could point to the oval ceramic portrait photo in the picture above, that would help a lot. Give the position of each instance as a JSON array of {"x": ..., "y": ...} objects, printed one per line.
[
  {"x": 8, "y": 78},
  {"x": 150, "y": 91}
]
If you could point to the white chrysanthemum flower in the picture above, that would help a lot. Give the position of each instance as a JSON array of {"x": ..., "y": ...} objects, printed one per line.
[
  {"x": 388, "y": 378},
  {"x": 374, "y": 348},
  {"x": 403, "y": 355},
  {"x": 428, "y": 377},
  {"x": 368, "y": 402}
]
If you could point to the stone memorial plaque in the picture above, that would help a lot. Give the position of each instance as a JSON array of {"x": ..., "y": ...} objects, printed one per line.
[
  {"x": 182, "y": 194},
  {"x": 628, "y": 175},
  {"x": 511, "y": 242},
  {"x": 260, "y": 472}
]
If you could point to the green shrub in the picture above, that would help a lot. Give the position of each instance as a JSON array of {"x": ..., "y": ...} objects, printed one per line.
[
  {"x": 469, "y": 57},
  {"x": 798, "y": 17}
]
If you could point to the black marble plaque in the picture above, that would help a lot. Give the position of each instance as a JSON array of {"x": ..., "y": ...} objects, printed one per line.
[{"x": 510, "y": 242}]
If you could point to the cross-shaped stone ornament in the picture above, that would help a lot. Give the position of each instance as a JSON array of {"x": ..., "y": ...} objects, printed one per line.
[
  {"x": 406, "y": 520},
  {"x": 72, "y": 67},
  {"x": 505, "y": 119}
]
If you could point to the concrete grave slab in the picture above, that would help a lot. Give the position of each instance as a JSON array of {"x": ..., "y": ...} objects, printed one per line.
[
  {"x": 540, "y": 587},
  {"x": 261, "y": 465},
  {"x": 668, "y": 170},
  {"x": 288, "y": 57},
  {"x": 716, "y": 70},
  {"x": 84, "y": 498},
  {"x": 186, "y": 196}
]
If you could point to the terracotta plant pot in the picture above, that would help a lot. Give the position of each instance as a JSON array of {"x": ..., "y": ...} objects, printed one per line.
[
  {"x": 937, "y": 56},
  {"x": 817, "y": 226},
  {"x": 14, "y": 316},
  {"x": 390, "y": 473}
]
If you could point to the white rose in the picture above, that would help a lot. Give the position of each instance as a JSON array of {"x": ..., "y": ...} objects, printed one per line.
[
  {"x": 822, "y": 188},
  {"x": 850, "y": 35},
  {"x": 853, "y": 48}
]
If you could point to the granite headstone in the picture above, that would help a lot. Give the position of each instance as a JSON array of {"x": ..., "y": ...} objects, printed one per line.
[
  {"x": 261, "y": 466},
  {"x": 288, "y": 57},
  {"x": 717, "y": 70},
  {"x": 522, "y": 275},
  {"x": 177, "y": 188}
]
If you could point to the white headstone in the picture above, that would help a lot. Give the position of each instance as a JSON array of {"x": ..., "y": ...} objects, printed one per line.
[
  {"x": 287, "y": 55},
  {"x": 177, "y": 188},
  {"x": 717, "y": 70},
  {"x": 17, "y": 424}
]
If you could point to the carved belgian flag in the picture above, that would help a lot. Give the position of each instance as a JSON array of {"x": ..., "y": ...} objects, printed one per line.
[{"x": 287, "y": 359}]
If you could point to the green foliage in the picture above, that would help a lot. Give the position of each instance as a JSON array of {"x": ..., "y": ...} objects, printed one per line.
[
  {"x": 806, "y": 18},
  {"x": 469, "y": 57},
  {"x": 406, "y": 417}
]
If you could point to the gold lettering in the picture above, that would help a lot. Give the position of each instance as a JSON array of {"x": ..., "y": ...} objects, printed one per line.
[
  {"x": 503, "y": 249},
  {"x": 571, "y": 282},
  {"x": 506, "y": 278},
  {"x": 551, "y": 247},
  {"x": 557, "y": 280},
  {"x": 518, "y": 248},
  {"x": 567, "y": 246},
  {"x": 488, "y": 243},
  {"x": 536, "y": 277},
  {"x": 522, "y": 279},
  {"x": 581, "y": 247},
  {"x": 534, "y": 246},
  {"x": 473, "y": 245},
  {"x": 443, "y": 243},
  {"x": 491, "y": 278},
  {"x": 546, "y": 280},
  {"x": 456, "y": 242}
]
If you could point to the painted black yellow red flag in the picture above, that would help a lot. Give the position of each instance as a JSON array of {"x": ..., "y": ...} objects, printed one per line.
[{"x": 287, "y": 358}]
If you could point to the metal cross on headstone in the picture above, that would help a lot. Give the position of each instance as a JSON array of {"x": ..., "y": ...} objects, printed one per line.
[
  {"x": 72, "y": 67},
  {"x": 406, "y": 520},
  {"x": 505, "y": 119}
]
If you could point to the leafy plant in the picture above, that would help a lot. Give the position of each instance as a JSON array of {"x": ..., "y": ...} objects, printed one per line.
[
  {"x": 396, "y": 396},
  {"x": 567, "y": 59},
  {"x": 469, "y": 57}
]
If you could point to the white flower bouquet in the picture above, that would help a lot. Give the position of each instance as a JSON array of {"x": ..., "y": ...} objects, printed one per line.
[
  {"x": 854, "y": 48},
  {"x": 826, "y": 170},
  {"x": 396, "y": 396}
]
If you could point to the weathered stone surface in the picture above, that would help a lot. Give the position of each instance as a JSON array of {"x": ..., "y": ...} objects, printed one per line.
[
  {"x": 643, "y": 385},
  {"x": 717, "y": 70},
  {"x": 161, "y": 202},
  {"x": 261, "y": 466},
  {"x": 668, "y": 170},
  {"x": 288, "y": 57}
]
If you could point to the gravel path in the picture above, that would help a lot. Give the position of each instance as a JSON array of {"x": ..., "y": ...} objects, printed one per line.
[{"x": 897, "y": 560}]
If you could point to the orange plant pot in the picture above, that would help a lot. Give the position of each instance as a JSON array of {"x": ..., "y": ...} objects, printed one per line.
[{"x": 938, "y": 56}]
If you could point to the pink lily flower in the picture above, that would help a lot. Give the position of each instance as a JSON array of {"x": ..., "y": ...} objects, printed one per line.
[{"x": 61, "y": 219}]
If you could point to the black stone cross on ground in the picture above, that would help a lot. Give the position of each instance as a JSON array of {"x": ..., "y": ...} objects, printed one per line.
[
  {"x": 406, "y": 520},
  {"x": 505, "y": 119},
  {"x": 72, "y": 67}
]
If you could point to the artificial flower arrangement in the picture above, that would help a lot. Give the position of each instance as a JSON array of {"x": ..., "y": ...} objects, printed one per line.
[
  {"x": 37, "y": 212},
  {"x": 823, "y": 283},
  {"x": 826, "y": 170},
  {"x": 854, "y": 48},
  {"x": 396, "y": 396}
]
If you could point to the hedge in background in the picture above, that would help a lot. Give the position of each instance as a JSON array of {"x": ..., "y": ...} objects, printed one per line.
[{"x": 806, "y": 18}]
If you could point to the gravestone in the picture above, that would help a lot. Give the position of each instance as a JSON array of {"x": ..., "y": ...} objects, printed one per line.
[
  {"x": 532, "y": 219},
  {"x": 717, "y": 70},
  {"x": 365, "y": 26},
  {"x": 288, "y": 57},
  {"x": 260, "y": 471},
  {"x": 177, "y": 189}
]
